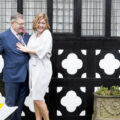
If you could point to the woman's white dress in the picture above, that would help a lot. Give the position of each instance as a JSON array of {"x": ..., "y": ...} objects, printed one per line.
[{"x": 40, "y": 68}]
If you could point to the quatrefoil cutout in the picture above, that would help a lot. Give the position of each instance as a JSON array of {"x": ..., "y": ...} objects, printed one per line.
[
  {"x": 71, "y": 101},
  {"x": 72, "y": 63},
  {"x": 109, "y": 64}
]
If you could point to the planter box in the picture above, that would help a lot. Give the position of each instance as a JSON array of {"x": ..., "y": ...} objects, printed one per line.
[{"x": 106, "y": 108}]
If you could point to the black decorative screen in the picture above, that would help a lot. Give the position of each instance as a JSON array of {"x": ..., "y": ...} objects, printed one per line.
[{"x": 81, "y": 68}]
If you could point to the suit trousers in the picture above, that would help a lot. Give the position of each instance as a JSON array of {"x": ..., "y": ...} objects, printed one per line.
[{"x": 15, "y": 96}]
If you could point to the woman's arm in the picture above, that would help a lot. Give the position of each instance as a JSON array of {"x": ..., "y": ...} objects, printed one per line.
[{"x": 25, "y": 49}]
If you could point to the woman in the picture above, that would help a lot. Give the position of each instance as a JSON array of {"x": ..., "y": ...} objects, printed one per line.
[{"x": 40, "y": 69}]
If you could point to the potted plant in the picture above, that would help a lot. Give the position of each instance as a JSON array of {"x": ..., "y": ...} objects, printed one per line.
[{"x": 107, "y": 104}]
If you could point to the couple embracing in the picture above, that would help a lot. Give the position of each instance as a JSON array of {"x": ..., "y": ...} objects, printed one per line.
[{"x": 24, "y": 56}]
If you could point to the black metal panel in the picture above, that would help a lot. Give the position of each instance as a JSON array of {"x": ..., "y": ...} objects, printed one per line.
[
  {"x": 77, "y": 17},
  {"x": 49, "y": 12},
  {"x": 20, "y": 6},
  {"x": 74, "y": 82},
  {"x": 108, "y": 19}
]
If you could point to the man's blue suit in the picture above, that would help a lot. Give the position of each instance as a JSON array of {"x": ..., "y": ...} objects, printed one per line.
[{"x": 14, "y": 71}]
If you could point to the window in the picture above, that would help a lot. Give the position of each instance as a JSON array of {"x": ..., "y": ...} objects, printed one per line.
[
  {"x": 115, "y": 18},
  {"x": 7, "y": 7},
  {"x": 63, "y": 16},
  {"x": 93, "y": 18},
  {"x": 31, "y": 9}
]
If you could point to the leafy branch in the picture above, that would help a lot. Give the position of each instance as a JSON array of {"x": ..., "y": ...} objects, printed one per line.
[{"x": 104, "y": 91}]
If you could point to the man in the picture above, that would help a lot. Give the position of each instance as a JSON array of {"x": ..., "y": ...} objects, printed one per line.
[{"x": 15, "y": 65}]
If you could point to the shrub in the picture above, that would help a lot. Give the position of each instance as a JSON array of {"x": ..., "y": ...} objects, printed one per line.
[{"x": 104, "y": 91}]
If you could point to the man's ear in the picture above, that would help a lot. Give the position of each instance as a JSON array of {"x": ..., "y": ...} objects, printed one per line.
[{"x": 11, "y": 22}]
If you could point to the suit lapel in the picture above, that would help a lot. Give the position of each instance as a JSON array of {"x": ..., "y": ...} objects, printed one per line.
[
  {"x": 11, "y": 41},
  {"x": 13, "y": 37}
]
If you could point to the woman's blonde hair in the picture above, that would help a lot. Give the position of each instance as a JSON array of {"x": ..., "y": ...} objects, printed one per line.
[{"x": 38, "y": 17}]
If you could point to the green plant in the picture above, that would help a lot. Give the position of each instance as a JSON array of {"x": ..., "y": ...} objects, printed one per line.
[{"x": 104, "y": 91}]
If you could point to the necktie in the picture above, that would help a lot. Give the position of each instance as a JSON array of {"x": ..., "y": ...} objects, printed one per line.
[{"x": 21, "y": 39}]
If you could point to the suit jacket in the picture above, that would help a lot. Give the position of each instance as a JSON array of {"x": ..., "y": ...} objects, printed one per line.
[{"x": 15, "y": 61}]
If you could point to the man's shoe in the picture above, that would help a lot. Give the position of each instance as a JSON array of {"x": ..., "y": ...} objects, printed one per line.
[{"x": 5, "y": 111}]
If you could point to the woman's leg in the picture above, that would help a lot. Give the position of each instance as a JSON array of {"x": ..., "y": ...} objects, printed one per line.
[
  {"x": 37, "y": 112},
  {"x": 42, "y": 109}
]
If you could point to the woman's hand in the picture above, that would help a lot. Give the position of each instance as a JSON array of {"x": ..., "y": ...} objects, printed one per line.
[{"x": 22, "y": 48}]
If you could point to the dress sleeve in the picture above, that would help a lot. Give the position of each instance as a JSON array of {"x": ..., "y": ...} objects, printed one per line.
[
  {"x": 45, "y": 48},
  {"x": 1, "y": 46}
]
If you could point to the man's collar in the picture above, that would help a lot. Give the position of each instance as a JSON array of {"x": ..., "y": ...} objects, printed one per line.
[{"x": 13, "y": 31}]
